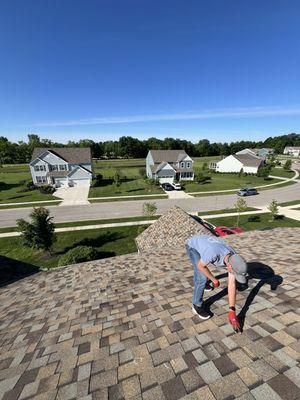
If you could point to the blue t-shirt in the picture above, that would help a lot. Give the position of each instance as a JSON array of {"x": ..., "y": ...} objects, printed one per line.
[{"x": 212, "y": 249}]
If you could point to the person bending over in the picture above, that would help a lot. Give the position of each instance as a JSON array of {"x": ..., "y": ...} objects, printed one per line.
[{"x": 204, "y": 250}]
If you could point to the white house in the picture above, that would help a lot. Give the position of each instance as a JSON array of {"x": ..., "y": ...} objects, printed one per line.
[
  {"x": 234, "y": 163},
  {"x": 167, "y": 165},
  {"x": 292, "y": 150},
  {"x": 61, "y": 166}
]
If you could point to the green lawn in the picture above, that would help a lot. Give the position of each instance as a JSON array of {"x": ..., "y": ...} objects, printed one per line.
[
  {"x": 107, "y": 242},
  {"x": 128, "y": 188},
  {"x": 12, "y": 178},
  {"x": 224, "y": 211},
  {"x": 149, "y": 199},
  {"x": 282, "y": 173},
  {"x": 289, "y": 203},
  {"x": 226, "y": 181},
  {"x": 262, "y": 223}
]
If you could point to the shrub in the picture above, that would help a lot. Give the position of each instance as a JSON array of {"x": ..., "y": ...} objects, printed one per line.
[
  {"x": 254, "y": 218},
  {"x": 97, "y": 180},
  {"x": 149, "y": 209},
  {"x": 273, "y": 208},
  {"x": 77, "y": 255},
  {"x": 47, "y": 189},
  {"x": 287, "y": 165},
  {"x": 30, "y": 186}
]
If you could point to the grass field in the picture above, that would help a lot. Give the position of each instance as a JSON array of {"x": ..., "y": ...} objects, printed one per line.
[
  {"x": 107, "y": 242},
  {"x": 226, "y": 181},
  {"x": 262, "y": 223},
  {"x": 282, "y": 173},
  {"x": 128, "y": 188},
  {"x": 12, "y": 179}
]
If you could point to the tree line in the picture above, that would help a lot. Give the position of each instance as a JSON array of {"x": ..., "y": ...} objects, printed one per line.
[{"x": 129, "y": 147}]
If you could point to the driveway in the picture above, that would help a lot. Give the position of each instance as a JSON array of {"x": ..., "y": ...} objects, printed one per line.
[
  {"x": 177, "y": 194},
  {"x": 71, "y": 196}
]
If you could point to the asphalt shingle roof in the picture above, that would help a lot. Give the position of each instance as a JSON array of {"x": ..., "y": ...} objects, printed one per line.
[
  {"x": 171, "y": 230},
  {"x": 122, "y": 328},
  {"x": 248, "y": 160},
  {"x": 73, "y": 155},
  {"x": 167, "y": 155}
]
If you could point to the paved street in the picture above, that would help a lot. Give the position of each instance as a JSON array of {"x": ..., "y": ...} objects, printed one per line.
[{"x": 133, "y": 208}]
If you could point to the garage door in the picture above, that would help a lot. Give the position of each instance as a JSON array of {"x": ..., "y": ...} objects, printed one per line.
[
  {"x": 81, "y": 182},
  {"x": 60, "y": 182}
]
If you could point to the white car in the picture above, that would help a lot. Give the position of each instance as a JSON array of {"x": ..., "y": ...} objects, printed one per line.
[{"x": 176, "y": 186}]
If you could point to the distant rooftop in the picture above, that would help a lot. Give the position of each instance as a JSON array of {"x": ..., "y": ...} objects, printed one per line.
[
  {"x": 73, "y": 155},
  {"x": 167, "y": 155}
]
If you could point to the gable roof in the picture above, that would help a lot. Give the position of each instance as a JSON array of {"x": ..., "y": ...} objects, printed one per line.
[
  {"x": 171, "y": 230},
  {"x": 73, "y": 155},
  {"x": 167, "y": 155},
  {"x": 248, "y": 160}
]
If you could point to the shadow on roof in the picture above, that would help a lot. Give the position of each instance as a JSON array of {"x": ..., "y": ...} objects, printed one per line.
[{"x": 13, "y": 270}]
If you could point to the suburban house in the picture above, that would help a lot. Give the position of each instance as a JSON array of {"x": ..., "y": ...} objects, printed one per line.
[
  {"x": 61, "y": 166},
  {"x": 292, "y": 150},
  {"x": 263, "y": 152},
  {"x": 169, "y": 165},
  {"x": 235, "y": 162}
]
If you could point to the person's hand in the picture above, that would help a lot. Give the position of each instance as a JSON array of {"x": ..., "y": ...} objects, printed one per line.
[
  {"x": 234, "y": 321},
  {"x": 216, "y": 283}
]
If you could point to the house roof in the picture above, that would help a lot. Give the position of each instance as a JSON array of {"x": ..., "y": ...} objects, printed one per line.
[
  {"x": 293, "y": 147},
  {"x": 125, "y": 325},
  {"x": 168, "y": 155},
  {"x": 248, "y": 160},
  {"x": 171, "y": 230},
  {"x": 73, "y": 155}
]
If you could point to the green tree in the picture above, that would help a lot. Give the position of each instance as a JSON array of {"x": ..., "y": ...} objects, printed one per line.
[
  {"x": 263, "y": 172},
  {"x": 241, "y": 173},
  {"x": 39, "y": 233},
  {"x": 273, "y": 208},
  {"x": 240, "y": 206},
  {"x": 149, "y": 209},
  {"x": 287, "y": 165}
]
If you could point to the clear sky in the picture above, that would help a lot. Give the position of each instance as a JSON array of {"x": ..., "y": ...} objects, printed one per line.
[{"x": 99, "y": 69}]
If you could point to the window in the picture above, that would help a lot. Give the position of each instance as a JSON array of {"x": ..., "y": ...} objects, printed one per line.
[
  {"x": 188, "y": 165},
  {"x": 41, "y": 179},
  {"x": 62, "y": 167},
  {"x": 182, "y": 165},
  {"x": 54, "y": 167},
  {"x": 40, "y": 168}
]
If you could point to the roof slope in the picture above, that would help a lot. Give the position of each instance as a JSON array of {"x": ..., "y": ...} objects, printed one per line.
[
  {"x": 170, "y": 230},
  {"x": 120, "y": 326},
  {"x": 168, "y": 155},
  {"x": 73, "y": 155},
  {"x": 248, "y": 160}
]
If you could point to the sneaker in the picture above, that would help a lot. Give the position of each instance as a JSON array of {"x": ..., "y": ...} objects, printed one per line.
[
  {"x": 200, "y": 311},
  {"x": 208, "y": 287}
]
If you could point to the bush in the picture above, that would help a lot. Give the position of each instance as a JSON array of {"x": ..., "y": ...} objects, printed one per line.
[
  {"x": 47, "y": 189},
  {"x": 77, "y": 255},
  {"x": 254, "y": 218},
  {"x": 30, "y": 186}
]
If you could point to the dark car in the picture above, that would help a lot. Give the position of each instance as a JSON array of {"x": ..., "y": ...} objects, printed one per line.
[
  {"x": 247, "y": 192},
  {"x": 167, "y": 186}
]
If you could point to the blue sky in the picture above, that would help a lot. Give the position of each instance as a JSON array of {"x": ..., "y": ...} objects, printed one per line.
[{"x": 222, "y": 70}]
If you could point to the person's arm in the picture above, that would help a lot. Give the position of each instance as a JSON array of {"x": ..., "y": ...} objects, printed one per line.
[
  {"x": 204, "y": 270},
  {"x": 231, "y": 290}
]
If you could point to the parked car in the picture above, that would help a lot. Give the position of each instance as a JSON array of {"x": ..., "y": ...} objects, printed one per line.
[
  {"x": 167, "y": 186},
  {"x": 177, "y": 186},
  {"x": 247, "y": 192},
  {"x": 225, "y": 231}
]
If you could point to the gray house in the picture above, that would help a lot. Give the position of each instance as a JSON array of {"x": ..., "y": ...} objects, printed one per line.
[
  {"x": 169, "y": 165},
  {"x": 61, "y": 166}
]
